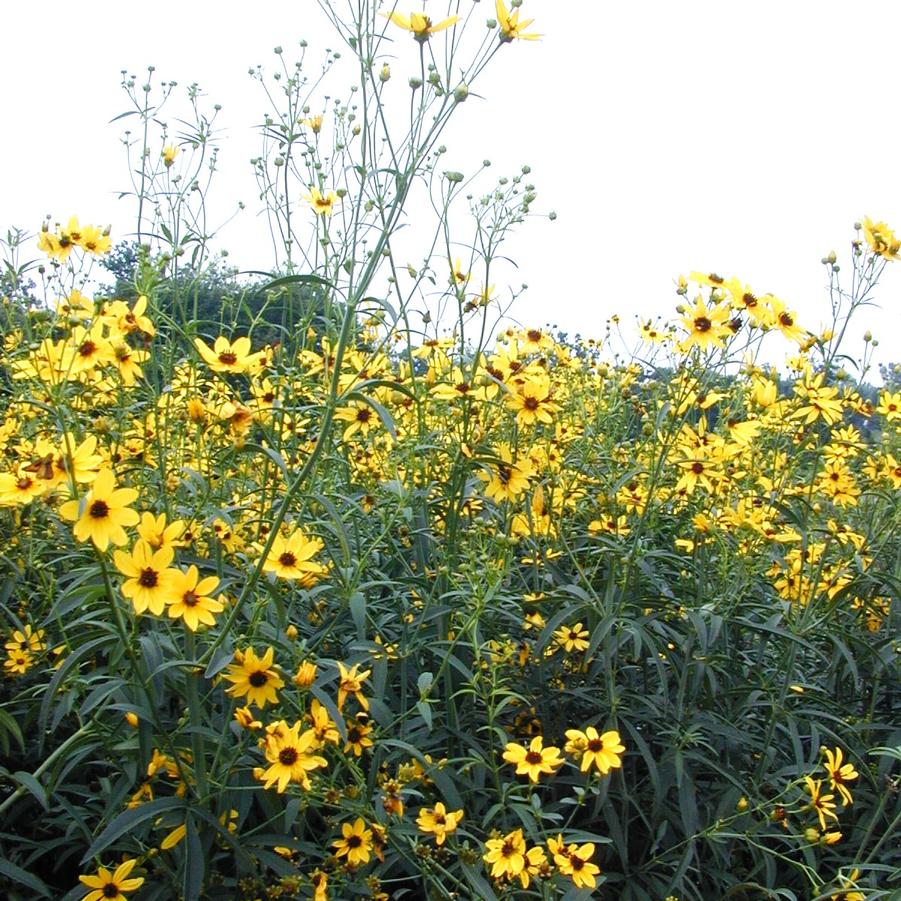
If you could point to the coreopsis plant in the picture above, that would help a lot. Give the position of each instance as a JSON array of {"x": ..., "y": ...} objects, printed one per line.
[{"x": 302, "y": 599}]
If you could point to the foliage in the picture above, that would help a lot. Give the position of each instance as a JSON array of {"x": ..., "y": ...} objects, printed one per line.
[{"x": 304, "y": 600}]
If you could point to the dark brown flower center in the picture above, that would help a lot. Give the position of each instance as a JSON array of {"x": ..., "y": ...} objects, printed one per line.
[
  {"x": 258, "y": 679},
  {"x": 87, "y": 348},
  {"x": 287, "y": 560},
  {"x": 786, "y": 320},
  {"x": 99, "y": 510},
  {"x": 595, "y": 745},
  {"x": 111, "y": 890},
  {"x": 533, "y": 758},
  {"x": 148, "y": 578},
  {"x": 354, "y": 841},
  {"x": 702, "y": 324},
  {"x": 287, "y": 756},
  {"x": 227, "y": 358},
  {"x": 190, "y": 599}
]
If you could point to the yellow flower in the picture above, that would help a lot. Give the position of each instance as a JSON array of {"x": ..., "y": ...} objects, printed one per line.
[
  {"x": 506, "y": 855},
  {"x": 822, "y": 804},
  {"x": 351, "y": 683},
  {"x": 438, "y": 821},
  {"x": 104, "y": 513},
  {"x": 323, "y": 204},
  {"x": 289, "y": 558},
  {"x": 108, "y": 886},
  {"x": 290, "y": 757},
  {"x": 511, "y": 27},
  {"x": 420, "y": 24},
  {"x": 840, "y": 773},
  {"x": 305, "y": 675},
  {"x": 573, "y": 638},
  {"x": 225, "y": 355},
  {"x": 314, "y": 123},
  {"x": 355, "y": 843},
  {"x": 170, "y": 151},
  {"x": 188, "y": 598},
  {"x": 881, "y": 239},
  {"x": 149, "y": 576},
  {"x": 254, "y": 677},
  {"x": 358, "y": 735},
  {"x": 706, "y": 326},
  {"x": 604, "y": 751},
  {"x": 534, "y": 760},
  {"x": 575, "y": 861},
  {"x": 507, "y": 478}
]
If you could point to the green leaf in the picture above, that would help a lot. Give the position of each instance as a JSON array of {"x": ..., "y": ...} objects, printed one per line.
[
  {"x": 28, "y": 782},
  {"x": 194, "y": 862},
  {"x": 22, "y": 877},
  {"x": 128, "y": 820}
]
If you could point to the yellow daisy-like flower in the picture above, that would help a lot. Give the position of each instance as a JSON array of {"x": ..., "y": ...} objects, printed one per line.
[
  {"x": 323, "y": 204},
  {"x": 104, "y": 512},
  {"x": 289, "y": 558},
  {"x": 572, "y": 638},
  {"x": 575, "y": 861},
  {"x": 254, "y": 678},
  {"x": 510, "y": 26},
  {"x": 188, "y": 598},
  {"x": 507, "y": 855},
  {"x": 420, "y": 24},
  {"x": 290, "y": 756},
  {"x": 226, "y": 356},
  {"x": 535, "y": 760},
  {"x": 351, "y": 683},
  {"x": 604, "y": 751},
  {"x": 355, "y": 843},
  {"x": 881, "y": 239},
  {"x": 840, "y": 773},
  {"x": 107, "y": 886},
  {"x": 438, "y": 822},
  {"x": 149, "y": 576}
]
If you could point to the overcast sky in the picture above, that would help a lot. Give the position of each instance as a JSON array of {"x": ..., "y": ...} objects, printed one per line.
[{"x": 708, "y": 134}]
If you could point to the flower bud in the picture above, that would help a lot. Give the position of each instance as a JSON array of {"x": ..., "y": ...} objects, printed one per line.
[
  {"x": 385, "y": 73},
  {"x": 461, "y": 92}
]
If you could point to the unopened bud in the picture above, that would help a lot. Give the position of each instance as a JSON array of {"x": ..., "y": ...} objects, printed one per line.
[
  {"x": 461, "y": 92},
  {"x": 385, "y": 73}
]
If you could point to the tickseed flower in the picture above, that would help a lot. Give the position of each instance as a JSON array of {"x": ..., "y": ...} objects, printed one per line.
[
  {"x": 289, "y": 558},
  {"x": 534, "y": 760},
  {"x": 170, "y": 151},
  {"x": 107, "y": 886},
  {"x": 290, "y": 754},
  {"x": 506, "y": 855},
  {"x": 314, "y": 123},
  {"x": 148, "y": 585},
  {"x": 572, "y": 638},
  {"x": 575, "y": 861},
  {"x": 351, "y": 683},
  {"x": 438, "y": 821},
  {"x": 604, "y": 751},
  {"x": 511, "y": 27},
  {"x": 839, "y": 773},
  {"x": 420, "y": 24},
  {"x": 305, "y": 675},
  {"x": 225, "y": 355},
  {"x": 188, "y": 598},
  {"x": 881, "y": 239},
  {"x": 507, "y": 478},
  {"x": 245, "y": 719},
  {"x": 254, "y": 677},
  {"x": 158, "y": 533},
  {"x": 323, "y": 204},
  {"x": 319, "y": 882},
  {"x": 706, "y": 326},
  {"x": 27, "y": 640},
  {"x": 822, "y": 804},
  {"x": 104, "y": 512},
  {"x": 532, "y": 402},
  {"x": 355, "y": 843},
  {"x": 358, "y": 735}
]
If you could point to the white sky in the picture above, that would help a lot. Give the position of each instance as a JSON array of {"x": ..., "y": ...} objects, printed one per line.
[{"x": 707, "y": 134}]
